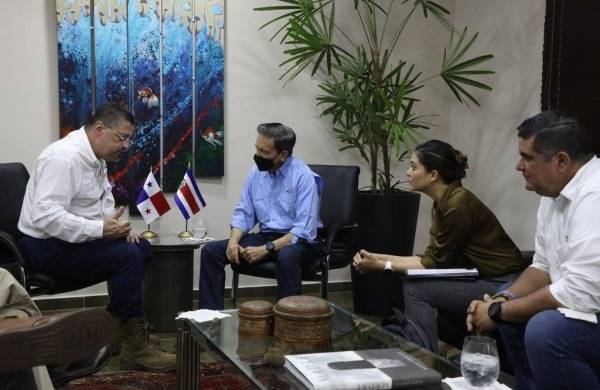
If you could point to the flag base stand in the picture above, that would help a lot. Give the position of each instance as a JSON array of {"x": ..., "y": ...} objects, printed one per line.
[
  {"x": 185, "y": 234},
  {"x": 148, "y": 235}
]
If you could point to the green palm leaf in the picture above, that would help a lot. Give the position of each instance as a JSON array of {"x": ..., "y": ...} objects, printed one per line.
[{"x": 455, "y": 68}]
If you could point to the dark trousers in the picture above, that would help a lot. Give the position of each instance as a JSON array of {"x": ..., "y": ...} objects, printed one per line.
[
  {"x": 122, "y": 264},
  {"x": 423, "y": 296},
  {"x": 289, "y": 261},
  {"x": 551, "y": 351}
]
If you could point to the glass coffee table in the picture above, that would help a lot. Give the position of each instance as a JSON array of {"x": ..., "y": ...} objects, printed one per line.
[{"x": 254, "y": 355}]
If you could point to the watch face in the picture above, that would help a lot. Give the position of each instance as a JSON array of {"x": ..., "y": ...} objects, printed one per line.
[
  {"x": 270, "y": 246},
  {"x": 495, "y": 311}
]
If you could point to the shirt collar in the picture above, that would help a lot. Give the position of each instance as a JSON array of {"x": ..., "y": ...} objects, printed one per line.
[
  {"x": 570, "y": 190},
  {"x": 284, "y": 168},
  {"x": 88, "y": 153},
  {"x": 446, "y": 195}
]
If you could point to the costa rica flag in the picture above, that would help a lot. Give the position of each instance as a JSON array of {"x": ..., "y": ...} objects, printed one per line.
[{"x": 188, "y": 198}]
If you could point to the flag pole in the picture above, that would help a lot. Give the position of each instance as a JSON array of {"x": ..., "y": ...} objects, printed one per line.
[
  {"x": 186, "y": 233},
  {"x": 149, "y": 234}
]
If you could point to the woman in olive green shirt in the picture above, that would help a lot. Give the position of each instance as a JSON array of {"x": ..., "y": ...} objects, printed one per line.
[{"x": 464, "y": 234}]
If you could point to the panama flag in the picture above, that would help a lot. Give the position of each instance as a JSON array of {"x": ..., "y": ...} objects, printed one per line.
[
  {"x": 151, "y": 202},
  {"x": 188, "y": 197}
]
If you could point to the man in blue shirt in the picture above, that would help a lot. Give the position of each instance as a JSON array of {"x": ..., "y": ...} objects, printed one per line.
[{"x": 283, "y": 196}]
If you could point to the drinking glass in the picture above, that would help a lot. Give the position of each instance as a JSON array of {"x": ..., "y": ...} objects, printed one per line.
[
  {"x": 199, "y": 228},
  {"x": 479, "y": 362}
]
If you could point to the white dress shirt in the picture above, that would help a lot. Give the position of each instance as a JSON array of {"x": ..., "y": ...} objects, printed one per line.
[
  {"x": 567, "y": 240},
  {"x": 68, "y": 194}
]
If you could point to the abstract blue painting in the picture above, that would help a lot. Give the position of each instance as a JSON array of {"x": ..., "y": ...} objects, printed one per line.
[
  {"x": 164, "y": 60},
  {"x": 74, "y": 64}
]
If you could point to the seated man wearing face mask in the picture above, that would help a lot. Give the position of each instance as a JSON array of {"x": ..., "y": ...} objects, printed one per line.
[{"x": 281, "y": 195}]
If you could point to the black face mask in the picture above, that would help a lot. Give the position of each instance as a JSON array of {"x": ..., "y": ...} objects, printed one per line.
[{"x": 263, "y": 164}]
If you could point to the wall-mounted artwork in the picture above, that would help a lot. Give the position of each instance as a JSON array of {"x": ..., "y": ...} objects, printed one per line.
[{"x": 164, "y": 60}]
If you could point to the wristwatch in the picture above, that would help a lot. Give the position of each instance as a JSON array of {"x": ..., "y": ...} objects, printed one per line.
[
  {"x": 270, "y": 246},
  {"x": 388, "y": 267},
  {"x": 495, "y": 312}
]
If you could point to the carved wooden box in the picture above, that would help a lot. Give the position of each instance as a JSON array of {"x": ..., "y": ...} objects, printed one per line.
[
  {"x": 256, "y": 317},
  {"x": 303, "y": 322}
]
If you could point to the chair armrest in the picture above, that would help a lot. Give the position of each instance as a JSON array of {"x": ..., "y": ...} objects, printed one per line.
[
  {"x": 333, "y": 232},
  {"x": 9, "y": 242}
]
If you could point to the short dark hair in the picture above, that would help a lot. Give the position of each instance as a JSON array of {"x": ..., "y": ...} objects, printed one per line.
[
  {"x": 283, "y": 136},
  {"x": 437, "y": 155},
  {"x": 110, "y": 114},
  {"x": 556, "y": 131}
]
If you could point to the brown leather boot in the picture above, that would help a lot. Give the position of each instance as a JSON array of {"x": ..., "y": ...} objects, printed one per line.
[
  {"x": 120, "y": 332},
  {"x": 138, "y": 354},
  {"x": 51, "y": 339}
]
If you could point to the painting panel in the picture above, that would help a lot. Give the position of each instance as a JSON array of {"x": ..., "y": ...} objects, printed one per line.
[
  {"x": 112, "y": 75},
  {"x": 74, "y": 59},
  {"x": 144, "y": 68},
  {"x": 177, "y": 91},
  {"x": 209, "y": 87}
]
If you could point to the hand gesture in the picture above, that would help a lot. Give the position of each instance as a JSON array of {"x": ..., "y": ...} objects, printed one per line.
[
  {"x": 364, "y": 261},
  {"x": 133, "y": 238},
  {"x": 233, "y": 252},
  {"x": 113, "y": 228},
  {"x": 477, "y": 316},
  {"x": 254, "y": 254}
]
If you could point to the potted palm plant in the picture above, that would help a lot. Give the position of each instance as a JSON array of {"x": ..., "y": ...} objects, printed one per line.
[{"x": 371, "y": 95}]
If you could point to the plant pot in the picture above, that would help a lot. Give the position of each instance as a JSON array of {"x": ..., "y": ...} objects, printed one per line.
[{"x": 386, "y": 224}]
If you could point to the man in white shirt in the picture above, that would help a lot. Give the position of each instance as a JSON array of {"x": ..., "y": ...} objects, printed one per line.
[
  {"x": 72, "y": 230},
  {"x": 549, "y": 349}
]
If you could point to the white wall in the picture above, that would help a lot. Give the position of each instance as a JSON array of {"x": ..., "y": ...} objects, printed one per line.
[{"x": 512, "y": 30}]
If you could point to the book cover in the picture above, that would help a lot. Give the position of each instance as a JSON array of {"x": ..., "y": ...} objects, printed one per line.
[{"x": 361, "y": 370}]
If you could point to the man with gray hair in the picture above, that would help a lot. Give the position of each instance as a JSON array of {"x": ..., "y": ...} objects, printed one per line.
[
  {"x": 282, "y": 195},
  {"x": 549, "y": 348}
]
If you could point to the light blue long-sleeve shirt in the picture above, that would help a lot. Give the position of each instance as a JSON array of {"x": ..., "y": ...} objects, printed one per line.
[{"x": 286, "y": 201}]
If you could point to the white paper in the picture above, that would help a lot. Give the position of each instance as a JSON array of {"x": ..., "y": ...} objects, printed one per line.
[
  {"x": 579, "y": 315},
  {"x": 459, "y": 383},
  {"x": 202, "y": 315},
  {"x": 203, "y": 240}
]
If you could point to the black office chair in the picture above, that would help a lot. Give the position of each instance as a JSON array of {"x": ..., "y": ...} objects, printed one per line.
[
  {"x": 338, "y": 214},
  {"x": 13, "y": 181}
]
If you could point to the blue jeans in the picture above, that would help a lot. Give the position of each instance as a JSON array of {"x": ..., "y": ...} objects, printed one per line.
[
  {"x": 289, "y": 261},
  {"x": 551, "y": 351},
  {"x": 120, "y": 263}
]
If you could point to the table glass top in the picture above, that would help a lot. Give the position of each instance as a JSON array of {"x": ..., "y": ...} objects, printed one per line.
[{"x": 258, "y": 356}]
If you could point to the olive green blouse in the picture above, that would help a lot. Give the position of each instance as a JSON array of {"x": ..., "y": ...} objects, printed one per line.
[{"x": 465, "y": 233}]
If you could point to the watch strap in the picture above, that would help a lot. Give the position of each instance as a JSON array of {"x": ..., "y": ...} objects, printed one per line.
[
  {"x": 495, "y": 312},
  {"x": 506, "y": 295}
]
